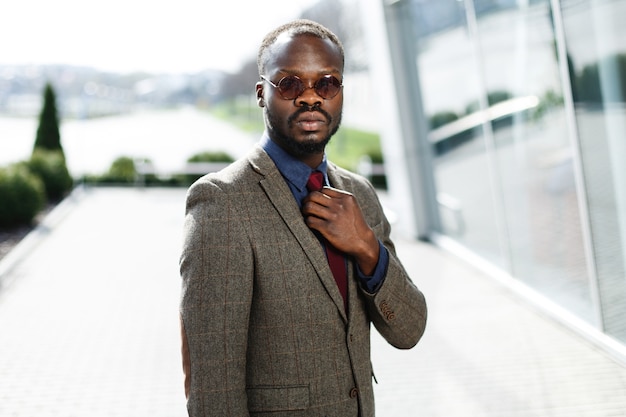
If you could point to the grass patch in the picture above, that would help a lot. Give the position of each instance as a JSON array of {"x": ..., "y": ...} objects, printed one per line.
[
  {"x": 242, "y": 112},
  {"x": 349, "y": 145}
]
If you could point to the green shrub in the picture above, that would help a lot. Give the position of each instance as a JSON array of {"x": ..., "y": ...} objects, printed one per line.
[
  {"x": 493, "y": 97},
  {"x": 442, "y": 118},
  {"x": 122, "y": 170},
  {"x": 51, "y": 168},
  {"x": 23, "y": 196},
  {"x": 208, "y": 156},
  {"x": 378, "y": 180},
  {"x": 211, "y": 157},
  {"x": 587, "y": 84}
]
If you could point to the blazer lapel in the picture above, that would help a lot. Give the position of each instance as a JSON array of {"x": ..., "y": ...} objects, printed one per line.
[
  {"x": 282, "y": 199},
  {"x": 336, "y": 180}
]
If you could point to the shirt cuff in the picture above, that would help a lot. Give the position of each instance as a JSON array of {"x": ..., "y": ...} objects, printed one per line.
[{"x": 372, "y": 283}]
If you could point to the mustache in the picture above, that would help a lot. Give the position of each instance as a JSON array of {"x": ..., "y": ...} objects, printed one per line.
[{"x": 306, "y": 108}]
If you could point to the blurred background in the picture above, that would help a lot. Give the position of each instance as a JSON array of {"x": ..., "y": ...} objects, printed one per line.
[
  {"x": 494, "y": 130},
  {"x": 112, "y": 67}
]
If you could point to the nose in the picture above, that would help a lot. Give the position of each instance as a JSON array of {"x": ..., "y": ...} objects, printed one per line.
[{"x": 309, "y": 97}]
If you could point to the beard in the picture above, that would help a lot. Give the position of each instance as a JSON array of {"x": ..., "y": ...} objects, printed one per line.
[{"x": 303, "y": 148}]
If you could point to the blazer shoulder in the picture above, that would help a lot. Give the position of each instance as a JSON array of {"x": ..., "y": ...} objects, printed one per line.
[
  {"x": 241, "y": 176},
  {"x": 252, "y": 166}
]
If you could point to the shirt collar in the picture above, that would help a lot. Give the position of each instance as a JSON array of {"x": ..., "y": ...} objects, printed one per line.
[{"x": 294, "y": 171}]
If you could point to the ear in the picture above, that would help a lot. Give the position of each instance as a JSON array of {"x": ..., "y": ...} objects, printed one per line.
[{"x": 260, "y": 100}]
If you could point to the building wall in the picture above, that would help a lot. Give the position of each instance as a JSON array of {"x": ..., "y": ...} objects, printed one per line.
[{"x": 512, "y": 123}]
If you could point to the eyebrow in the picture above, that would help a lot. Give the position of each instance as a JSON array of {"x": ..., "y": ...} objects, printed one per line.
[{"x": 319, "y": 73}]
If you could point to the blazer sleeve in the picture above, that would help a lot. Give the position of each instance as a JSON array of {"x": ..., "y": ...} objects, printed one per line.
[
  {"x": 398, "y": 309},
  {"x": 216, "y": 272}
]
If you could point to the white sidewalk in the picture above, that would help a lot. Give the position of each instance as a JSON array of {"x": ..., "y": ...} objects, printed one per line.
[{"x": 89, "y": 327}]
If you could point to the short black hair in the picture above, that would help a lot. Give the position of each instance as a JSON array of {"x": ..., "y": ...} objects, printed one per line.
[{"x": 297, "y": 27}]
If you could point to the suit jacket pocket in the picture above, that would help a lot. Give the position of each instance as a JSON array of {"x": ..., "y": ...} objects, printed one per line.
[{"x": 284, "y": 398}]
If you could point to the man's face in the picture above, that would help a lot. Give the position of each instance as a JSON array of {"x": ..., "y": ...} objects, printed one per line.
[{"x": 304, "y": 125}]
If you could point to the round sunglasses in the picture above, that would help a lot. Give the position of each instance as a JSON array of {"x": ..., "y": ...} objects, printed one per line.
[{"x": 292, "y": 87}]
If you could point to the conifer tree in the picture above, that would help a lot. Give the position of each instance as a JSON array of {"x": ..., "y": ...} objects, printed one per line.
[
  {"x": 48, "y": 134},
  {"x": 48, "y": 159}
]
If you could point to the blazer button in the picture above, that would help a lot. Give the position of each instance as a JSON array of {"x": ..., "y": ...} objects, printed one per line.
[
  {"x": 354, "y": 392},
  {"x": 387, "y": 311}
]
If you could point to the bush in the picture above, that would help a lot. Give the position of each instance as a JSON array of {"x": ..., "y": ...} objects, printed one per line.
[
  {"x": 378, "y": 180},
  {"x": 128, "y": 170},
  {"x": 204, "y": 157},
  {"x": 23, "y": 196},
  {"x": 51, "y": 168},
  {"x": 442, "y": 118},
  {"x": 122, "y": 170},
  {"x": 587, "y": 84},
  {"x": 211, "y": 157}
]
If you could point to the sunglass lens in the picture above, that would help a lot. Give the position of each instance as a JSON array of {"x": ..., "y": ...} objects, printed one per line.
[
  {"x": 290, "y": 87},
  {"x": 327, "y": 86}
]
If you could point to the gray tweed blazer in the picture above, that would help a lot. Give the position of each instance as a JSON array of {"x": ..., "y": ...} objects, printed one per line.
[{"x": 264, "y": 330}]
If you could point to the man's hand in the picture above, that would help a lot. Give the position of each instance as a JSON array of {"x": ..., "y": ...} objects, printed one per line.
[{"x": 337, "y": 216}]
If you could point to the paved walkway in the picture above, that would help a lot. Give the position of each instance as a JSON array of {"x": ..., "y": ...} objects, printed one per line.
[{"x": 89, "y": 327}]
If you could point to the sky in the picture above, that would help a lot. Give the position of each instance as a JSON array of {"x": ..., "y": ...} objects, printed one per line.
[{"x": 140, "y": 35}]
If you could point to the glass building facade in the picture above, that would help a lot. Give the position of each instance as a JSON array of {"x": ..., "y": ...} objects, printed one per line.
[{"x": 511, "y": 125}]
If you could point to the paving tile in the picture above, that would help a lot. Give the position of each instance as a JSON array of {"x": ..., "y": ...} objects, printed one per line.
[
  {"x": 486, "y": 353},
  {"x": 89, "y": 327}
]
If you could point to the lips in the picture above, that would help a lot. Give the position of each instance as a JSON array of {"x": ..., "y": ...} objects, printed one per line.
[{"x": 311, "y": 121}]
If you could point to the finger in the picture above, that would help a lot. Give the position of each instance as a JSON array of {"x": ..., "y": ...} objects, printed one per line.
[
  {"x": 326, "y": 207},
  {"x": 314, "y": 204},
  {"x": 317, "y": 197},
  {"x": 328, "y": 214},
  {"x": 334, "y": 192},
  {"x": 319, "y": 225},
  {"x": 314, "y": 222},
  {"x": 311, "y": 210}
]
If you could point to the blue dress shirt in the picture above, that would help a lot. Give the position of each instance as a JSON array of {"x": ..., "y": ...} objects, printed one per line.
[{"x": 296, "y": 174}]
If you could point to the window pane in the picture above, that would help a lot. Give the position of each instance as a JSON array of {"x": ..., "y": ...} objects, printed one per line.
[
  {"x": 504, "y": 167},
  {"x": 534, "y": 155},
  {"x": 595, "y": 34},
  {"x": 450, "y": 87}
]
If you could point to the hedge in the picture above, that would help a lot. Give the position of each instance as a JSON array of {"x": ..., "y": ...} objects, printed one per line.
[
  {"x": 51, "y": 168},
  {"x": 23, "y": 195}
]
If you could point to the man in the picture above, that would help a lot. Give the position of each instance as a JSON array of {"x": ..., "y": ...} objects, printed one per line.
[{"x": 267, "y": 328}]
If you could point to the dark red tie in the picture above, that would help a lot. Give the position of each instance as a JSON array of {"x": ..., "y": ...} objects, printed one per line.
[{"x": 336, "y": 260}]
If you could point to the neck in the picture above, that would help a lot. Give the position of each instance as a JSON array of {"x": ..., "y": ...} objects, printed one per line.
[
  {"x": 312, "y": 161},
  {"x": 312, "y": 158}
]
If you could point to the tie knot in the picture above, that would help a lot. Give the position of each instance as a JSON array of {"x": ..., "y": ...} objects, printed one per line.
[{"x": 315, "y": 182}]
